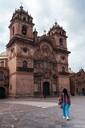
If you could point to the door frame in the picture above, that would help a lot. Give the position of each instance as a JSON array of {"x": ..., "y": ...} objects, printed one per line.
[{"x": 46, "y": 92}]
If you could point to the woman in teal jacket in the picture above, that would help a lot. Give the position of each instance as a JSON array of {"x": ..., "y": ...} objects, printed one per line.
[{"x": 65, "y": 102}]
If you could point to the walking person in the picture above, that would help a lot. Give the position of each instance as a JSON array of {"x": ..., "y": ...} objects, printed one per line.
[{"x": 65, "y": 102}]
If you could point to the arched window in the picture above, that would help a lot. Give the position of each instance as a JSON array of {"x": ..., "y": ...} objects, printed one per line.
[
  {"x": 63, "y": 69},
  {"x": 61, "y": 42},
  {"x": 24, "y": 29},
  {"x": 24, "y": 18},
  {"x": 24, "y": 64},
  {"x": 1, "y": 76}
]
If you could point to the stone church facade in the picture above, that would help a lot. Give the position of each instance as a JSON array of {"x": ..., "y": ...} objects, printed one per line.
[{"x": 37, "y": 65}]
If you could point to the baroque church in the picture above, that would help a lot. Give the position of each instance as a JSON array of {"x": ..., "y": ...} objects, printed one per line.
[{"x": 33, "y": 65}]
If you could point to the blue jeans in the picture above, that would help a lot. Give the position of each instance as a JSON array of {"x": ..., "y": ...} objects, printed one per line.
[{"x": 65, "y": 108}]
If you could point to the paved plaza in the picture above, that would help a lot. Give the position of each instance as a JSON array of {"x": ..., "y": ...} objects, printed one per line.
[{"x": 40, "y": 113}]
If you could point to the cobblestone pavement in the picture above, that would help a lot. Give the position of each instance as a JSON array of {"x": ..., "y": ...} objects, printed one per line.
[{"x": 40, "y": 113}]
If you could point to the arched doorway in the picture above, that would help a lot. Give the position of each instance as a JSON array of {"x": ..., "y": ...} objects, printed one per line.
[
  {"x": 2, "y": 92},
  {"x": 46, "y": 89}
]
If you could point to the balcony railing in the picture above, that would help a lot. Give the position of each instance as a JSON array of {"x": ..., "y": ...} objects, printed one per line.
[{"x": 24, "y": 69}]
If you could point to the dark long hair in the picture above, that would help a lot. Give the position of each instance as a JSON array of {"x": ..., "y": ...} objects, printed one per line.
[{"x": 65, "y": 92}]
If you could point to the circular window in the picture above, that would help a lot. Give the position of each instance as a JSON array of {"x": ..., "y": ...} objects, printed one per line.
[
  {"x": 63, "y": 57},
  {"x": 25, "y": 49}
]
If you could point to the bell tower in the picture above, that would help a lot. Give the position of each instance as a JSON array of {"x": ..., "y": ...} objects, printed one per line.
[
  {"x": 21, "y": 24},
  {"x": 20, "y": 60},
  {"x": 60, "y": 42}
]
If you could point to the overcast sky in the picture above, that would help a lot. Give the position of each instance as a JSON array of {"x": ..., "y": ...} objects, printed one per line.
[{"x": 70, "y": 14}]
